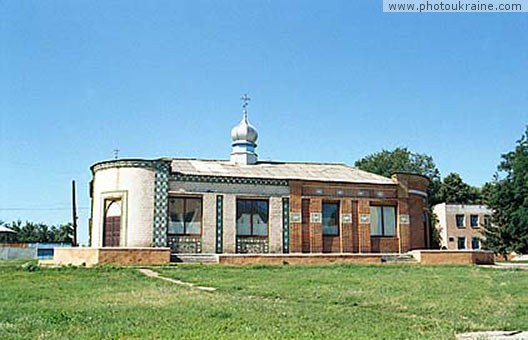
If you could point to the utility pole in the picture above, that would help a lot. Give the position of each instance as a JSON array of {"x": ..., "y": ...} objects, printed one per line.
[{"x": 74, "y": 215}]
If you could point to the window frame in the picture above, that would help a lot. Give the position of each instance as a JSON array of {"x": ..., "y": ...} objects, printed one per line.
[
  {"x": 473, "y": 240},
  {"x": 458, "y": 243},
  {"x": 336, "y": 203},
  {"x": 382, "y": 217},
  {"x": 184, "y": 213},
  {"x": 463, "y": 221},
  {"x": 252, "y": 211},
  {"x": 476, "y": 225},
  {"x": 487, "y": 220}
]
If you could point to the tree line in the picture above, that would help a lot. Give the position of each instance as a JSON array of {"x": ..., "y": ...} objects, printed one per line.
[
  {"x": 37, "y": 232},
  {"x": 506, "y": 194}
]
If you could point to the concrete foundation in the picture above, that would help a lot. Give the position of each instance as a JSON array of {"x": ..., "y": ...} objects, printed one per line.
[
  {"x": 119, "y": 256},
  {"x": 454, "y": 256}
]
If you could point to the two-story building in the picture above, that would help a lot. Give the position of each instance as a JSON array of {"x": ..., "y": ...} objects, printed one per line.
[{"x": 461, "y": 226}]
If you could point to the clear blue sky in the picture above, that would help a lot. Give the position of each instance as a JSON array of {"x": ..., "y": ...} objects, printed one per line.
[{"x": 331, "y": 81}]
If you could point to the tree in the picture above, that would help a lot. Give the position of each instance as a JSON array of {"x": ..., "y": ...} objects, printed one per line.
[
  {"x": 39, "y": 232},
  {"x": 508, "y": 199},
  {"x": 455, "y": 191},
  {"x": 401, "y": 159},
  {"x": 485, "y": 192}
]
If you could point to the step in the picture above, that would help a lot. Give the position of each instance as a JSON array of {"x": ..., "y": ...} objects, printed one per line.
[
  {"x": 194, "y": 258},
  {"x": 398, "y": 258}
]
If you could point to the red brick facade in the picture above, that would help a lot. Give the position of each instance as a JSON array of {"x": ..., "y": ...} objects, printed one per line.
[{"x": 407, "y": 195}]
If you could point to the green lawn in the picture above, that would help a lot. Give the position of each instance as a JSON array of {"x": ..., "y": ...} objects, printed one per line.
[{"x": 333, "y": 301}]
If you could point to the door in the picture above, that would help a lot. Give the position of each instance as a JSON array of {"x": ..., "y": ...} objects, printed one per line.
[{"x": 112, "y": 224}]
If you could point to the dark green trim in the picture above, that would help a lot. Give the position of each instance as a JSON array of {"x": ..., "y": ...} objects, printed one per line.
[
  {"x": 124, "y": 163},
  {"x": 219, "y": 223},
  {"x": 228, "y": 180},
  {"x": 285, "y": 225}
]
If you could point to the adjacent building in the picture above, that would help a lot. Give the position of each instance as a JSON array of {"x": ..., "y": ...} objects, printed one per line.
[
  {"x": 461, "y": 226},
  {"x": 243, "y": 205}
]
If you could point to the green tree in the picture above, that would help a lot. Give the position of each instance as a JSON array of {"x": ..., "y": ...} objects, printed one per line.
[
  {"x": 508, "y": 199},
  {"x": 485, "y": 192},
  {"x": 39, "y": 232},
  {"x": 455, "y": 191},
  {"x": 401, "y": 159}
]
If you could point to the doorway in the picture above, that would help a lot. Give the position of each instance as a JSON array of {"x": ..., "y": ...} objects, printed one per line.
[{"x": 112, "y": 223}]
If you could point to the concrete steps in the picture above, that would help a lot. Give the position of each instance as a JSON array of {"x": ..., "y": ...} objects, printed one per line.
[
  {"x": 194, "y": 258},
  {"x": 398, "y": 258}
]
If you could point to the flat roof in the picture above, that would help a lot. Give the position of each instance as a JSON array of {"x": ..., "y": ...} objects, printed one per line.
[{"x": 324, "y": 172}]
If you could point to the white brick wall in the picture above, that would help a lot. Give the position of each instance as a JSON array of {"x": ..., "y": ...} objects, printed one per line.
[
  {"x": 209, "y": 223},
  {"x": 229, "y": 224},
  {"x": 275, "y": 223},
  {"x": 135, "y": 187}
]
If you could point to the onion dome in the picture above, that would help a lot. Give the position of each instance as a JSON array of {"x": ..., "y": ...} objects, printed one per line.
[{"x": 244, "y": 131}]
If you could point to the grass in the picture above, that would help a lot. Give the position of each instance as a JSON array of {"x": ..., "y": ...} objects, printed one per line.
[{"x": 333, "y": 301}]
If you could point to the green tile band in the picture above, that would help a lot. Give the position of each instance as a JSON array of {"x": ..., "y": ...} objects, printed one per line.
[
  {"x": 161, "y": 201},
  {"x": 219, "y": 223},
  {"x": 285, "y": 225}
]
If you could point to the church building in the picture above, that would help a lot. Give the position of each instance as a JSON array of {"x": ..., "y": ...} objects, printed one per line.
[{"x": 243, "y": 205}]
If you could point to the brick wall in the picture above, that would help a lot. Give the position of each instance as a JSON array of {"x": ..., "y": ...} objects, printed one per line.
[{"x": 384, "y": 244}]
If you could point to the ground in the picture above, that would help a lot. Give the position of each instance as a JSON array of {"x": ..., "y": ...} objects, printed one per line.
[{"x": 331, "y": 301}]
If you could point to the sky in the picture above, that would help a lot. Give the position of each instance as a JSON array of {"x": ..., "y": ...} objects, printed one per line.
[{"x": 330, "y": 81}]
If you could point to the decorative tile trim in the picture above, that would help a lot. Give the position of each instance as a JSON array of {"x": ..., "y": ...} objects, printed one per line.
[
  {"x": 219, "y": 223},
  {"x": 286, "y": 225},
  {"x": 295, "y": 217},
  {"x": 185, "y": 244},
  {"x": 124, "y": 163},
  {"x": 161, "y": 199},
  {"x": 404, "y": 219},
  {"x": 364, "y": 218},
  {"x": 316, "y": 218},
  {"x": 346, "y": 218},
  {"x": 228, "y": 180},
  {"x": 252, "y": 245}
]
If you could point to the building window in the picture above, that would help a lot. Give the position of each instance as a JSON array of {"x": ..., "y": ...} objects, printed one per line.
[
  {"x": 252, "y": 218},
  {"x": 460, "y": 221},
  {"x": 475, "y": 243},
  {"x": 474, "y": 221},
  {"x": 185, "y": 216},
  {"x": 330, "y": 219},
  {"x": 487, "y": 220},
  {"x": 382, "y": 221},
  {"x": 461, "y": 243}
]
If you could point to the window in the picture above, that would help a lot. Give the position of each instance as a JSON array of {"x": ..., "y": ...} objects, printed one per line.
[
  {"x": 185, "y": 216},
  {"x": 461, "y": 243},
  {"x": 474, "y": 221},
  {"x": 487, "y": 220},
  {"x": 330, "y": 219},
  {"x": 475, "y": 243},
  {"x": 460, "y": 221},
  {"x": 252, "y": 218},
  {"x": 382, "y": 221}
]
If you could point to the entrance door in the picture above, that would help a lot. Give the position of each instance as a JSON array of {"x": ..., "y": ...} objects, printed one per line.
[{"x": 112, "y": 224}]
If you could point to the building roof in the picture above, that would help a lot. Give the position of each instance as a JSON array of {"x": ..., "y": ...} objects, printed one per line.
[
  {"x": 6, "y": 230},
  {"x": 325, "y": 172}
]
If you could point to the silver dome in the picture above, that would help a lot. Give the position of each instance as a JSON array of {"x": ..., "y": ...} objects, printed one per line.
[{"x": 244, "y": 131}]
